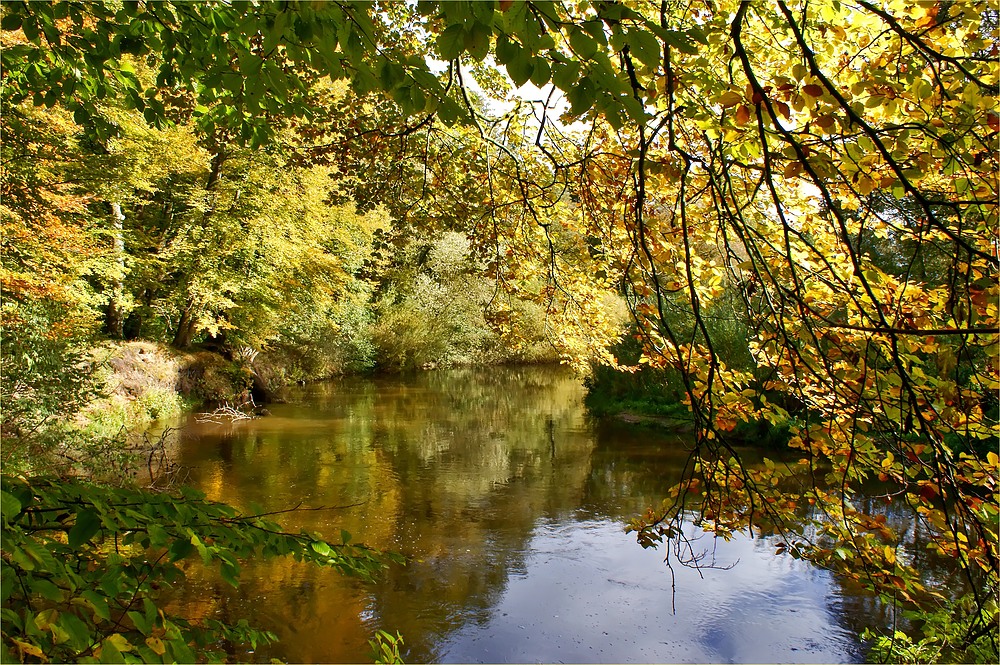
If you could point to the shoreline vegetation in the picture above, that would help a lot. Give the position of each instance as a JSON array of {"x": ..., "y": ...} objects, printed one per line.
[{"x": 138, "y": 383}]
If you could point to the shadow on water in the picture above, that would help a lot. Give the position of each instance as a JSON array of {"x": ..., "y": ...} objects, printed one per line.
[{"x": 511, "y": 503}]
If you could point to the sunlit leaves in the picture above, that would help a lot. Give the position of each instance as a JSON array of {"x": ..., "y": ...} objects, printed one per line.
[
  {"x": 849, "y": 163},
  {"x": 96, "y": 599},
  {"x": 829, "y": 166}
]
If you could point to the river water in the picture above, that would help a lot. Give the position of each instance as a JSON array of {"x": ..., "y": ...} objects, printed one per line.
[{"x": 510, "y": 503}]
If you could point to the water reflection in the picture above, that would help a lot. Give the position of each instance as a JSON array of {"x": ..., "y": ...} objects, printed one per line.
[
  {"x": 511, "y": 503},
  {"x": 585, "y": 599}
]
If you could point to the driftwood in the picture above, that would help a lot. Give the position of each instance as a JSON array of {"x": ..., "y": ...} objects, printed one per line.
[{"x": 226, "y": 413}]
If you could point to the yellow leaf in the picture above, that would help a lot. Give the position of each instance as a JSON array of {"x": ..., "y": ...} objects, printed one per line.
[
  {"x": 119, "y": 641},
  {"x": 730, "y": 99},
  {"x": 156, "y": 644},
  {"x": 46, "y": 618},
  {"x": 30, "y": 649}
]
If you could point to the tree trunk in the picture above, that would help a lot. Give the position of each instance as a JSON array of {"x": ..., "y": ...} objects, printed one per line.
[
  {"x": 185, "y": 328},
  {"x": 216, "y": 170},
  {"x": 115, "y": 316}
]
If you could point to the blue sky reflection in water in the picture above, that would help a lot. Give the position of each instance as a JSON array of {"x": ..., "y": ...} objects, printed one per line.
[
  {"x": 583, "y": 598},
  {"x": 511, "y": 503}
]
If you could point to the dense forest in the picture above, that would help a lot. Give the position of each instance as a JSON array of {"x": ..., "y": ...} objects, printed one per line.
[{"x": 777, "y": 218}]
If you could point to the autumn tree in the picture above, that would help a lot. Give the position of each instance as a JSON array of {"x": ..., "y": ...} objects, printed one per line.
[{"x": 778, "y": 152}]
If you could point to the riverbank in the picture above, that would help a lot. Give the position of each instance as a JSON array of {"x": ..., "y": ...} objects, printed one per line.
[
  {"x": 137, "y": 383},
  {"x": 651, "y": 399}
]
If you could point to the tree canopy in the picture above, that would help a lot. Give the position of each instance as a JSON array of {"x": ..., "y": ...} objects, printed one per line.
[{"x": 829, "y": 167}]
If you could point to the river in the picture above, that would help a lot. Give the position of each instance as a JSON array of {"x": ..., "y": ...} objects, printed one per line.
[{"x": 510, "y": 502}]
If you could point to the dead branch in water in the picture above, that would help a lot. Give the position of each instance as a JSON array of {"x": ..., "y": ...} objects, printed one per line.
[{"x": 227, "y": 413}]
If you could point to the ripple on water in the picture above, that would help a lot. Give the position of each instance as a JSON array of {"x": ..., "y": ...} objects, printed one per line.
[
  {"x": 511, "y": 504},
  {"x": 585, "y": 598}
]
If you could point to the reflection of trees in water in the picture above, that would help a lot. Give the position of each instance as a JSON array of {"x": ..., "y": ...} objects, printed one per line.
[{"x": 455, "y": 468}]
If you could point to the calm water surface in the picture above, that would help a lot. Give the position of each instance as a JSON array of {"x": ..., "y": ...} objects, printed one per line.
[{"x": 511, "y": 503}]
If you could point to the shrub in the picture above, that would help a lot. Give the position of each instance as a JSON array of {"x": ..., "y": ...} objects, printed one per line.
[{"x": 84, "y": 567}]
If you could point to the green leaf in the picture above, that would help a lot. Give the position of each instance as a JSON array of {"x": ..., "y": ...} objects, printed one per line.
[
  {"x": 86, "y": 527},
  {"x": 581, "y": 97},
  {"x": 179, "y": 549},
  {"x": 564, "y": 75},
  {"x": 230, "y": 573},
  {"x": 391, "y": 74},
  {"x": 614, "y": 118},
  {"x": 417, "y": 100},
  {"x": 477, "y": 40},
  {"x": 77, "y": 632},
  {"x": 541, "y": 72},
  {"x": 9, "y": 506},
  {"x": 681, "y": 41},
  {"x": 483, "y": 11},
  {"x": 448, "y": 111},
  {"x": 158, "y": 536},
  {"x": 59, "y": 635},
  {"x": 320, "y": 547},
  {"x": 645, "y": 46},
  {"x": 98, "y": 602},
  {"x": 140, "y": 622},
  {"x": 206, "y": 557},
  {"x": 6, "y": 587},
  {"x": 46, "y": 589},
  {"x": 451, "y": 42},
  {"x": 697, "y": 34},
  {"x": 11, "y": 21},
  {"x": 596, "y": 30},
  {"x": 584, "y": 45},
  {"x": 30, "y": 29},
  {"x": 304, "y": 29},
  {"x": 521, "y": 68},
  {"x": 505, "y": 49},
  {"x": 275, "y": 34}
]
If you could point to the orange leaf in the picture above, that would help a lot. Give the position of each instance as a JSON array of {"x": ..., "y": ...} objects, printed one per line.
[
  {"x": 825, "y": 121},
  {"x": 792, "y": 169},
  {"x": 742, "y": 115}
]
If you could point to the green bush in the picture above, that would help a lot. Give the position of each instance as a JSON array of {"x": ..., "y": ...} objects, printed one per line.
[
  {"x": 647, "y": 391},
  {"x": 47, "y": 379},
  {"x": 67, "y": 596},
  {"x": 953, "y": 634}
]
